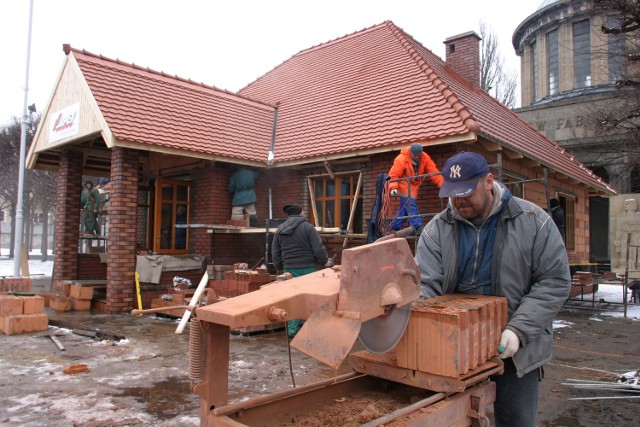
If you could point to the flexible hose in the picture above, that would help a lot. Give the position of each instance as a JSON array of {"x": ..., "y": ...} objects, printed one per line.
[{"x": 196, "y": 364}]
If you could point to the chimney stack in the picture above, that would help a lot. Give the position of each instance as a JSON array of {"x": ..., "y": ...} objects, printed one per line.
[{"x": 463, "y": 56}]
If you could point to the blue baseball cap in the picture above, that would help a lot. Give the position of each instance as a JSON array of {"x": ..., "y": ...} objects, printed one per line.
[{"x": 461, "y": 174}]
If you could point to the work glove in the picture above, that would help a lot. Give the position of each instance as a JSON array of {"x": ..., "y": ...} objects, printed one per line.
[
  {"x": 509, "y": 344},
  {"x": 330, "y": 262},
  {"x": 394, "y": 192}
]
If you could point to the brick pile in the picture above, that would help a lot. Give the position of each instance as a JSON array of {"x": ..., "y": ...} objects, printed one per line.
[
  {"x": 22, "y": 314},
  {"x": 237, "y": 282},
  {"x": 581, "y": 283},
  {"x": 67, "y": 296},
  {"x": 15, "y": 284},
  {"x": 177, "y": 297},
  {"x": 452, "y": 334}
]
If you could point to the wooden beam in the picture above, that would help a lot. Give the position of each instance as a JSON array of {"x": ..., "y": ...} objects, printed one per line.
[
  {"x": 513, "y": 155},
  {"x": 490, "y": 146}
]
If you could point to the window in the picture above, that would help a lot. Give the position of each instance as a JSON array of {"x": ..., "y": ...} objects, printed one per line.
[
  {"x": 171, "y": 208},
  {"x": 534, "y": 71},
  {"x": 1, "y": 215},
  {"x": 334, "y": 198},
  {"x": 553, "y": 62},
  {"x": 568, "y": 205},
  {"x": 616, "y": 52},
  {"x": 581, "y": 54}
]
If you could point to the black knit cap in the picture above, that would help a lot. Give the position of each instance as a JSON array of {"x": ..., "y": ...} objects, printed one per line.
[{"x": 292, "y": 209}]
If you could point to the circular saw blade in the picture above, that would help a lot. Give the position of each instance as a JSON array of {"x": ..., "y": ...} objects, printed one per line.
[{"x": 381, "y": 334}]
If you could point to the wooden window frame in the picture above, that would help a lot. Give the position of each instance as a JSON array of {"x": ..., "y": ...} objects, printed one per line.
[
  {"x": 568, "y": 204},
  {"x": 159, "y": 246},
  {"x": 354, "y": 197}
]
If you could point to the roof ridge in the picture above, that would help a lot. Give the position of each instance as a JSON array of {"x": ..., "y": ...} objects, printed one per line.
[
  {"x": 68, "y": 49},
  {"x": 452, "y": 99}
]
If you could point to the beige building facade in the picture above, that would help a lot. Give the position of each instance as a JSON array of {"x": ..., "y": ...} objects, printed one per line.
[{"x": 568, "y": 72}]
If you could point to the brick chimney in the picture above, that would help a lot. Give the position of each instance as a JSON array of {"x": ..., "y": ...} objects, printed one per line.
[{"x": 463, "y": 56}]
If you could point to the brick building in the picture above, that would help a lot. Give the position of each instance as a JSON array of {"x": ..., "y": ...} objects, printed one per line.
[{"x": 319, "y": 128}]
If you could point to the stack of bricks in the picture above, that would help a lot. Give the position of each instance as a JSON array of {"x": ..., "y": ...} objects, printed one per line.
[
  {"x": 452, "y": 334},
  {"x": 68, "y": 296},
  {"x": 238, "y": 282},
  {"x": 15, "y": 284},
  {"x": 22, "y": 314},
  {"x": 581, "y": 283},
  {"x": 178, "y": 297}
]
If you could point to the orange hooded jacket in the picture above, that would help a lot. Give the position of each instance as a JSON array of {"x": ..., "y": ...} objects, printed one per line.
[{"x": 402, "y": 167}]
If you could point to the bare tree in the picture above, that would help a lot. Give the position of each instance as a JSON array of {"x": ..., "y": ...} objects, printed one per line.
[
  {"x": 619, "y": 121},
  {"x": 500, "y": 83},
  {"x": 39, "y": 186}
]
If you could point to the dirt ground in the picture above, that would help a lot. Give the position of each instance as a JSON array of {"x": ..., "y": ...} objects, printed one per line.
[{"x": 142, "y": 380}]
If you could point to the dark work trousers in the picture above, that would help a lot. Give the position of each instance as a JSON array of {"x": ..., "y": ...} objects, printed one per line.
[{"x": 516, "y": 398}]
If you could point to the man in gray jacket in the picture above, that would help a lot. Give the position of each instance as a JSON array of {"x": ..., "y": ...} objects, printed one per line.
[
  {"x": 490, "y": 242},
  {"x": 297, "y": 248}
]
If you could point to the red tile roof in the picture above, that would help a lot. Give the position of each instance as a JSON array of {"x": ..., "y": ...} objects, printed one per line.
[
  {"x": 154, "y": 109},
  {"x": 379, "y": 89},
  {"x": 374, "y": 90}
]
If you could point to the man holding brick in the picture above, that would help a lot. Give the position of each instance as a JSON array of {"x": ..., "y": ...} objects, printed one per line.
[{"x": 489, "y": 242}]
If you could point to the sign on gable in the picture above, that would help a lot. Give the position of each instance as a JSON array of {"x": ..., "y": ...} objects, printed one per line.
[{"x": 64, "y": 123}]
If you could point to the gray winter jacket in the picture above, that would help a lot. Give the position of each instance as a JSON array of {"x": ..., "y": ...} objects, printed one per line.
[
  {"x": 297, "y": 244},
  {"x": 530, "y": 268}
]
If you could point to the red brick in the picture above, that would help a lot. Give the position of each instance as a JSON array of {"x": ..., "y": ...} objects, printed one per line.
[
  {"x": 60, "y": 303},
  {"x": 81, "y": 292},
  {"x": 24, "y": 323},
  {"x": 80, "y": 304},
  {"x": 33, "y": 305},
  {"x": 10, "y": 305}
]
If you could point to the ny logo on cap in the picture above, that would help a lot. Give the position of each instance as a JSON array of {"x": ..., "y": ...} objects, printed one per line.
[{"x": 455, "y": 172}]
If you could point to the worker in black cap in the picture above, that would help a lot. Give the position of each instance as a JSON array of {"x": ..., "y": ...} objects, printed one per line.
[
  {"x": 411, "y": 161},
  {"x": 89, "y": 204},
  {"x": 297, "y": 249}
]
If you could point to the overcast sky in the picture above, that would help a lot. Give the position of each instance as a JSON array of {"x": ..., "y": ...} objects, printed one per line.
[{"x": 227, "y": 44}]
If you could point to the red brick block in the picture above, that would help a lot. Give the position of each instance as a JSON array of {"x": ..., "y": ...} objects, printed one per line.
[
  {"x": 10, "y": 305},
  {"x": 81, "y": 292},
  {"x": 80, "y": 304},
  {"x": 24, "y": 323},
  {"x": 60, "y": 303},
  {"x": 33, "y": 305}
]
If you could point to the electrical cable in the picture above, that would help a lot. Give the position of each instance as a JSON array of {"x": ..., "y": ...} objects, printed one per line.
[{"x": 286, "y": 335}]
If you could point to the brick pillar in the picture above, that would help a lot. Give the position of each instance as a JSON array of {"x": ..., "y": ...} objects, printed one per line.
[
  {"x": 69, "y": 187},
  {"x": 463, "y": 56},
  {"x": 121, "y": 258}
]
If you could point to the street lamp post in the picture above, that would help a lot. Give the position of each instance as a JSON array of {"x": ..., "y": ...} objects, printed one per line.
[{"x": 23, "y": 144}]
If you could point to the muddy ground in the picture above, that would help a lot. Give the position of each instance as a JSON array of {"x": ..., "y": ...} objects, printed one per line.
[{"x": 142, "y": 380}]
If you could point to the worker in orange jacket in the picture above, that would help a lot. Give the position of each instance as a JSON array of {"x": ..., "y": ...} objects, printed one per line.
[{"x": 411, "y": 161}]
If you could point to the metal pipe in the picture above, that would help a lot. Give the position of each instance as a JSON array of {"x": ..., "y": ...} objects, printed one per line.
[{"x": 17, "y": 249}]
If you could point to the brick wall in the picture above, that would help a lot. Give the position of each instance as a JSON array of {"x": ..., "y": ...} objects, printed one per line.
[
  {"x": 67, "y": 222},
  {"x": 121, "y": 257},
  {"x": 463, "y": 56}
]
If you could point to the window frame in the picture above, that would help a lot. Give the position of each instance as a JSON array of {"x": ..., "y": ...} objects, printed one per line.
[
  {"x": 159, "y": 203},
  {"x": 355, "y": 198},
  {"x": 553, "y": 63},
  {"x": 581, "y": 54},
  {"x": 568, "y": 204}
]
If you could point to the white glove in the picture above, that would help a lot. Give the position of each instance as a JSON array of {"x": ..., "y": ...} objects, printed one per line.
[
  {"x": 394, "y": 192},
  {"x": 330, "y": 263},
  {"x": 509, "y": 344}
]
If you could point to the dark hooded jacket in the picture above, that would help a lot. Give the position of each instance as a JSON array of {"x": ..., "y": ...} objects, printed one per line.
[{"x": 297, "y": 245}]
